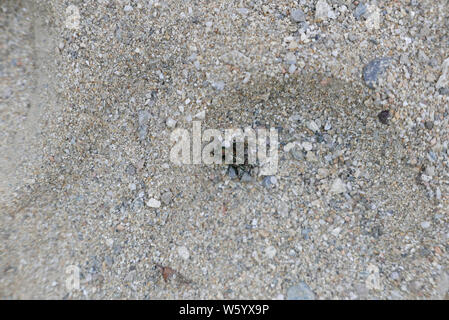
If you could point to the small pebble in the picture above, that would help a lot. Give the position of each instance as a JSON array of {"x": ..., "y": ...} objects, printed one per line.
[
  {"x": 232, "y": 173},
  {"x": 383, "y": 116},
  {"x": 183, "y": 252},
  {"x": 443, "y": 81},
  {"x": 246, "y": 177},
  {"x": 323, "y": 11},
  {"x": 374, "y": 69},
  {"x": 428, "y": 125},
  {"x": 307, "y": 146},
  {"x": 301, "y": 291},
  {"x": 297, "y": 15},
  {"x": 201, "y": 115},
  {"x": 153, "y": 203},
  {"x": 268, "y": 181},
  {"x": 166, "y": 197},
  {"x": 360, "y": 10},
  {"x": 425, "y": 224},
  {"x": 270, "y": 252},
  {"x": 313, "y": 126},
  {"x": 170, "y": 123},
  {"x": 218, "y": 85}
]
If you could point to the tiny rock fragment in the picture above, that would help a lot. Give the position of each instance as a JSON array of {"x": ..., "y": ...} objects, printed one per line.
[
  {"x": 201, "y": 115},
  {"x": 183, "y": 252},
  {"x": 374, "y": 69},
  {"x": 443, "y": 81},
  {"x": 360, "y": 10},
  {"x": 337, "y": 186},
  {"x": 323, "y": 11},
  {"x": 372, "y": 17},
  {"x": 170, "y": 123},
  {"x": 167, "y": 272},
  {"x": 384, "y": 116},
  {"x": 297, "y": 15},
  {"x": 301, "y": 291}
]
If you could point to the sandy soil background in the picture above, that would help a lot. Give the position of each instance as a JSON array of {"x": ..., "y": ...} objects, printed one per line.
[{"x": 89, "y": 94}]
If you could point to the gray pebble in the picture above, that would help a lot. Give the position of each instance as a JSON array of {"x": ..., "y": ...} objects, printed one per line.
[
  {"x": 131, "y": 170},
  {"x": 109, "y": 261},
  {"x": 144, "y": 116},
  {"x": 218, "y": 85},
  {"x": 300, "y": 291},
  {"x": 444, "y": 91},
  {"x": 243, "y": 11},
  {"x": 425, "y": 224},
  {"x": 373, "y": 69},
  {"x": 394, "y": 275},
  {"x": 290, "y": 58},
  {"x": 246, "y": 177},
  {"x": 296, "y": 153},
  {"x": 232, "y": 172},
  {"x": 166, "y": 197},
  {"x": 298, "y": 15},
  {"x": 142, "y": 132},
  {"x": 428, "y": 125},
  {"x": 268, "y": 181},
  {"x": 430, "y": 171},
  {"x": 360, "y": 10}
]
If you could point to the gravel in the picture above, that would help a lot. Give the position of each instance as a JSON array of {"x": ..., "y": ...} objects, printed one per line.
[{"x": 357, "y": 208}]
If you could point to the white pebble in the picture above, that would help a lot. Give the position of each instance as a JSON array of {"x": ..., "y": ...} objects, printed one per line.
[
  {"x": 109, "y": 242},
  {"x": 425, "y": 224},
  {"x": 153, "y": 203},
  {"x": 443, "y": 81},
  {"x": 313, "y": 126},
  {"x": 336, "y": 231},
  {"x": 270, "y": 252},
  {"x": 183, "y": 252},
  {"x": 292, "y": 68},
  {"x": 170, "y": 123}
]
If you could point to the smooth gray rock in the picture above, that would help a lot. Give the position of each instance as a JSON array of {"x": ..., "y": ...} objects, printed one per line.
[{"x": 301, "y": 291}]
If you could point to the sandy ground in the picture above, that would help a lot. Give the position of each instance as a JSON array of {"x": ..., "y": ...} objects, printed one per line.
[{"x": 89, "y": 96}]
